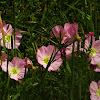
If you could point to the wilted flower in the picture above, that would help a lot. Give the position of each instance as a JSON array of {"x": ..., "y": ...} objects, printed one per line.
[
  {"x": 44, "y": 54},
  {"x": 8, "y": 32},
  {"x": 16, "y": 68},
  {"x": 28, "y": 62},
  {"x": 95, "y": 90}
]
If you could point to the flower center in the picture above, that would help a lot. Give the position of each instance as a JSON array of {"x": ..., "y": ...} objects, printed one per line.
[
  {"x": 8, "y": 38},
  {"x": 98, "y": 92},
  {"x": 46, "y": 59},
  {"x": 14, "y": 70},
  {"x": 93, "y": 51},
  {"x": 99, "y": 65}
]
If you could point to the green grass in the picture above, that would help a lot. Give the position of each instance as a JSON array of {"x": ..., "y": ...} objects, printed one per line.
[{"x": 36, "y": 19}]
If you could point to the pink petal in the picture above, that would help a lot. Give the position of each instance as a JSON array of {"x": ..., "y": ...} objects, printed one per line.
[
  {"x": 88, "y": 39},
  {"x": 66, "y": 28},
  {"x": 55, "y": 65},
  {"x": 96, "y": 45},
  {"x": 4, "y": 66},
  {"x": 18, "y": 62},
  {"x": 93, "y": 87},
  {"x": 56, "y": 30},
  {"x": 50, "y": 49},
  {"x": 94, "y": 97}
]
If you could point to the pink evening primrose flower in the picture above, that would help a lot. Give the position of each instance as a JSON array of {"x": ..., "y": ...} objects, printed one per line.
[
  {"x": 95, "y": 90},
  {"x": 71, "y": 32},
  {"x": 44, "y": 54},
  {"x": 16, "y": 68},
  {"x": 94, "y": 55},
  {"x": 9, "y": 31},
  {"x": 68, "y": 50},
  {"x": 3, "y": 57},
  {"x": 56, "y": 31}
]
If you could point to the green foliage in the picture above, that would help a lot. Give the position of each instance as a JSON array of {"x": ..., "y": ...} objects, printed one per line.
[{"x": 36, "y": 19}]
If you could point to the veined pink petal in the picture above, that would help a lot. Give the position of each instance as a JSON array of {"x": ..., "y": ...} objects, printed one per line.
[
  {"x": 41, "y": 52},
  {"x": 50, "y": 49},
  {"x": 96, "y": 45},
  {"x": 55, "y": 65},
  {"x": 18, "y": 62},
  {"x": 93, "y": 87},
  {"x": 4, "y": 66},
  {"x": 56, "y": 31},
  {"x": 95, "y": 59},
  {"x": 94, "y": 97},
  {"x": 66, "y": 28}
]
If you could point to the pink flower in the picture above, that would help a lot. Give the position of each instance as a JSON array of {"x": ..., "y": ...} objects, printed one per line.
[
  {"x": 94, "y": 55},
  {"x": 95, "y": 90},
  {"x": 16, "y": 68},
  {"x": 28, "y": 62},
  {"x": 71, "y": 32},
  {"x": 44, "y": 54},
  {"x": 9, "y": 31},
  {"x": 68, "y": 50},
  {"x": 3, "y": 57},
  {"x": 56, "y": 31},
  {"x": 94, "y": 51}
]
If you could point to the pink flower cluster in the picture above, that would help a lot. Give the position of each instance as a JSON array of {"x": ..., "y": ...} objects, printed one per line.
[
  {"x": 16, "y": 68},
  {"x": 68, "y": 34},
  {"x": 50, "y": 57}
]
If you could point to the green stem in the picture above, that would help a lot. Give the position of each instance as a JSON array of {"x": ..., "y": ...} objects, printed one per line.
[
  {"x": 80, "y": 74},
  {"x": 72, "y": 89},
  {"x": 14, "y": 25},
  {"x": 91, "y": 21}
]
